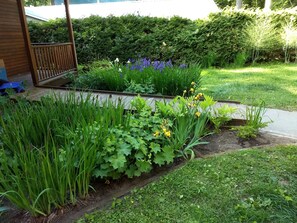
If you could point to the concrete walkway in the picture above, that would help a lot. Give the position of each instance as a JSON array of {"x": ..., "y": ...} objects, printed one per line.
[{"x": 282, "y": 123}]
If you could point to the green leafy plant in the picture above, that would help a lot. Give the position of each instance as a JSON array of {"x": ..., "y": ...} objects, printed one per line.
[
  {"x": 254, "y": 122},
  {"x": 146, "y": 88},
  {"x": 221, "y": 116}
]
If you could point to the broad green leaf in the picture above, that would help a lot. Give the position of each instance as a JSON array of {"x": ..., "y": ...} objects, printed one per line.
[
  {"x": 144, "y": 165},
  {"x": 168, "y": 154},
  {"x": 159, "y": 159},
  {"x": 139, "y": 155},
  {"x": 117, "y": 161},
  {"x": 125, "y": 149},
  {"x": 155, "y": 147}
]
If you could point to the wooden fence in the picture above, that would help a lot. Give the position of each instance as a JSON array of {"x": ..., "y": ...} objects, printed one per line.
[{"x": 53, "y": 60}]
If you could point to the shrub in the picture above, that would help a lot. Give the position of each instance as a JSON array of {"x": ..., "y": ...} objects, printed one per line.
[
  {"x": 261, "y": 36},
  {"x": 289, "y": 39},
  {"x": 215, "y": 41}
]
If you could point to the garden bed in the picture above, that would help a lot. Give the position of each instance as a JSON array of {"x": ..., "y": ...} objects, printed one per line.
[
  {"x": 107, "y": 191},
  {"x": 142, "y": 76},
  {"x": 67, "y": 145}
]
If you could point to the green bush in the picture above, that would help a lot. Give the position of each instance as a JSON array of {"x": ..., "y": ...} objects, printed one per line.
[{"x": 215, "y": 41}]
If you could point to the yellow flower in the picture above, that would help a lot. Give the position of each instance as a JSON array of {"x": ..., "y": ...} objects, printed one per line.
[
  {"x": 192, "y": 90},
  {"x": 198, "y": 96},
  {"x": 198, "y": 114},
  {"x": 193, "y": 83},
  {"x": 157, "y": 133},
  {"x": 167, "y": 133}
]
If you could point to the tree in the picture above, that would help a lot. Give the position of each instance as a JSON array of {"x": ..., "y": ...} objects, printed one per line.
[
  {"x": 238, "y": 4},
  {"x": 268, "y": 4},
  {"x": 277, "y": 4},
  {"x": 38, "y": 2}
]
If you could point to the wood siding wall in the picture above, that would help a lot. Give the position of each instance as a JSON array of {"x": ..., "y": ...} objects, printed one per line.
[{"x": 12, "y": 45}]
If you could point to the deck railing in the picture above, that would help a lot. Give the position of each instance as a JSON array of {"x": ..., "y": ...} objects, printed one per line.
[{"x": 53, "y": 60}]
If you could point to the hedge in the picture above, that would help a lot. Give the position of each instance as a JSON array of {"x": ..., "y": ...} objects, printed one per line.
[{"x": 216, "y": 41}]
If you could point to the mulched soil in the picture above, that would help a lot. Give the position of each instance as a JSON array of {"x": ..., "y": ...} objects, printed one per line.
[{"x": 106, "y": 191}]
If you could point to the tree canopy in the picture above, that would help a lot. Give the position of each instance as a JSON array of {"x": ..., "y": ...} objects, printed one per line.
[
  {"x": 38, "y": 2},
  {"x": 276, "y": 4}
]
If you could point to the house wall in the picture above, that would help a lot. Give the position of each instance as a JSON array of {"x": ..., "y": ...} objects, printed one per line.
[{"x": 12, "y": 44}]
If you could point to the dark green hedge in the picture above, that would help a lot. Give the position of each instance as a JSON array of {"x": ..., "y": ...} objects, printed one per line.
[{"x": 214, "y": 41}]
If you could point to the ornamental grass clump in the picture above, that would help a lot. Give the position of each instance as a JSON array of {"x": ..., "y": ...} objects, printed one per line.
[{"x": 42, "y": 166}]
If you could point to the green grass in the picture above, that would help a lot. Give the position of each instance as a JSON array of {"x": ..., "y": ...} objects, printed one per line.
[
  {"x": 275, "y": 84},
  {"x": 257, "y": 185}
]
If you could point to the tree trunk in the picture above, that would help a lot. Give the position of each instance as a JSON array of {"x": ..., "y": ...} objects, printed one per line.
[
  {"x": 238, "y": 4},
  {"x": 268, "y": 4}
]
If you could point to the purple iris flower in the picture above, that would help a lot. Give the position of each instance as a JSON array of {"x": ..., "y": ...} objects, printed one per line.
[{"x": 183, "y": 66}]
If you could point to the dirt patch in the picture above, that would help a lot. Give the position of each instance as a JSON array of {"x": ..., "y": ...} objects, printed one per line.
[
  {"x": 227, "y": 140},
  {"x": 106, "y": 191}
]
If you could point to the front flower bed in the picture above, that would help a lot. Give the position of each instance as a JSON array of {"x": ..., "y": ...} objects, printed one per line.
[
  {"x": 141, "y": 76},
  {"x": 52, "y": 151}
]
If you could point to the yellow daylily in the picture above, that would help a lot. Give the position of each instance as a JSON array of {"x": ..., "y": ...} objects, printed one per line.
[
  {"x": 167, "y": 133},
  {"x": 157, "y": 133},
  {"x": 198, "y": 114}
]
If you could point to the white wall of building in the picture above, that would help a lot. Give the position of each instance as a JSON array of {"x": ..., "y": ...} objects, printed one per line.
[{"x": 192, "y": 9}]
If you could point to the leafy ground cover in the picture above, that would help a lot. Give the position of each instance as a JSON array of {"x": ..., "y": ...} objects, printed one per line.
[
  {"x": 256, "y": 185},
  {"x": 275, "y": 84}
]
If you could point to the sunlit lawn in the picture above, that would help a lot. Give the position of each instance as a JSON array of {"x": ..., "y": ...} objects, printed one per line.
[
  {"x": 275, "y": 84},
  {"x": 257, "y": 185}
]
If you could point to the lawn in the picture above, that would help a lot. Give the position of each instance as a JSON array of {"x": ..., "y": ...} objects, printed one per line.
[
  {"x": 276, "y": 84},
  {"x": 256, "y": 185}
]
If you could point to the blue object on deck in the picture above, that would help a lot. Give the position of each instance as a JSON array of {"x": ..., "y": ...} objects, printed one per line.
[
  {"x": 17, "y": 86},
  {"x": 3, "y": 75}
]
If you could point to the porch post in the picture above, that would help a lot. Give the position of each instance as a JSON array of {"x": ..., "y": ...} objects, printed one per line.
[
  {"x": 70, "y": 32},
  {"x": 26, "y": 36}
]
